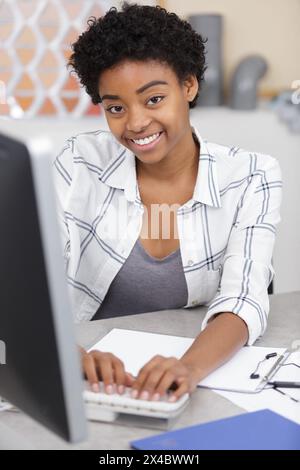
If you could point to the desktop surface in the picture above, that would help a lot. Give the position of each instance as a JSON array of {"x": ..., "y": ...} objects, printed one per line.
[{"x": 204, "y": 406}]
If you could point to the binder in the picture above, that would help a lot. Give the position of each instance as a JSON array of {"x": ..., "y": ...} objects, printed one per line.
[{"x": 260, "y": 430}]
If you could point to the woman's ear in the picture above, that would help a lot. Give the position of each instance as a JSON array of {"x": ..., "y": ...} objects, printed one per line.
[{"x": 191, "y": 87}]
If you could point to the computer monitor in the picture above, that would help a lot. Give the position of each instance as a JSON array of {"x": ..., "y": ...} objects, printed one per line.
[{"x": 41, "y": 371}]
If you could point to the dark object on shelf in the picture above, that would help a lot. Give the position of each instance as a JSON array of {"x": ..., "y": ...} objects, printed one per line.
[
  {"x": 211, "y": 27},
  {"x": 243, "y": 87}
]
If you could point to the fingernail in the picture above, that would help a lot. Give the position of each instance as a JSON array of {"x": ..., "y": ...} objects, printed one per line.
[
  {"x": 156, "y": 397},
  {"x": 144, "y": 395},
  {"x": 172, "y": 398},
  {"x": 109, "y": 389},
  {"x": 134, "y": 393},
  {"x": 95, "y": 388},
  {"x": 121, "y": 389}
]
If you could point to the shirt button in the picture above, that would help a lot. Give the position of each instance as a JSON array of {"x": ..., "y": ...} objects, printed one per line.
[
  {"x": 190, "y": 262},
  {"x": 195, "y": 302}
]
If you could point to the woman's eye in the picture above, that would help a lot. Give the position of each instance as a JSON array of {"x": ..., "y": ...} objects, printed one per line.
[
  {"x": 156, "y": 99},
  {"x": 117, "y": 109}
]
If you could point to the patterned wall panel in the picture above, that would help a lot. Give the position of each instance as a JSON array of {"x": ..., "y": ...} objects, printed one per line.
[{"x": 35, "y": 39}]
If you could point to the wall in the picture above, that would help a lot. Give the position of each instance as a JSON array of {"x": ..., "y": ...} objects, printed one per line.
[{"x": 268, "y": 27}]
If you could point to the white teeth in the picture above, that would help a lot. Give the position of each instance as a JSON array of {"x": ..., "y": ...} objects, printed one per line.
[{"x": 147, "y": 140}]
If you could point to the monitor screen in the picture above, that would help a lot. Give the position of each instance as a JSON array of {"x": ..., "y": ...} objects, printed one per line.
[{"x": 40, "y": 369}]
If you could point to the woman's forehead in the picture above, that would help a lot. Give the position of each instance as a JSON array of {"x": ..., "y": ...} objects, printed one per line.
[
  {"x": 137, "y": 73},
  {"x": 135, "y": 77}
]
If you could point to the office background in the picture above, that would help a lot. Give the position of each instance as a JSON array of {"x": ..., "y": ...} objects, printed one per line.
[{"x": 38, "y": 96}]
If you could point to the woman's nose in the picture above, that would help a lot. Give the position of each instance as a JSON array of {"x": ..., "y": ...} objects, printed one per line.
[{"x": 137, "y": 121}]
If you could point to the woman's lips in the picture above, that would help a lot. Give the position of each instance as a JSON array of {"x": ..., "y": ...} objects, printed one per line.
[{"x": 143, "y": 148}]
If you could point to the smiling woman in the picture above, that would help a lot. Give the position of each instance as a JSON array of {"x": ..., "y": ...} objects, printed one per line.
[
  {"x": 147, "y": 110},
  {"x": 197, "y": 218}
]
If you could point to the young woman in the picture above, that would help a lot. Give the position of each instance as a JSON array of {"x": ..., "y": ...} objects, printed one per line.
[{"x": 153, "y": 216}]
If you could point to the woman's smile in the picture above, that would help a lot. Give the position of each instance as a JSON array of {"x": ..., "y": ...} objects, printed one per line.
[{"x": 146, "y": 144}]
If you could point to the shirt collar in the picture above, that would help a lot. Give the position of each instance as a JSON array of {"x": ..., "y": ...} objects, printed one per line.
[
  {"x": 207, "y": 186},
  {"x": 120, "y": 173}
]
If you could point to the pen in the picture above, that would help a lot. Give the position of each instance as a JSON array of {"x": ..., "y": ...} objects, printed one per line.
[
  {"x": 279, "y": 384},
  {"x": 273, "y": 369}
]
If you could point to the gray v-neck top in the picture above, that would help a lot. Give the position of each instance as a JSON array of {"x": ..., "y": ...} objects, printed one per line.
[{"x": 145, "y": 284}]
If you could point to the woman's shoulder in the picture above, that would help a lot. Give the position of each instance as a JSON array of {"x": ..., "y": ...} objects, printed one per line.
[
  {"x": 238, "y": 157},
  {"x": 235, "y": 165},
  {"x": 87, "y": 153},
  {"x": 98, "y": 146}
]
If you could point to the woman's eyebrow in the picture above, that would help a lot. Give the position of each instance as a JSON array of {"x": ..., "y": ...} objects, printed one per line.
[{"x": 138, "y": 91}]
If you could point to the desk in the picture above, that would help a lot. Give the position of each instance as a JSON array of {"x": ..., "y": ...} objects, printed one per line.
[{"x": 205, "y": 405}]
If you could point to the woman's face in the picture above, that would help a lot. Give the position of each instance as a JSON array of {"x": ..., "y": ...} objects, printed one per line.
[{"x": 144, "y": 100}]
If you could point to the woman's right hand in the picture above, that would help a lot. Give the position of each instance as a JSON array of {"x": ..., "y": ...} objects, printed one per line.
[{"x": 103, "y": 366}]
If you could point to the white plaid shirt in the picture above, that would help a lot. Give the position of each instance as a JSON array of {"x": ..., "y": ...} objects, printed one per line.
[{"x": 226, "y": 231}]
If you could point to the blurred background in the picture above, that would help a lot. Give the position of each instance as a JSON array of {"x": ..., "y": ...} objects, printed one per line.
[{"x": 250, "y": 99}]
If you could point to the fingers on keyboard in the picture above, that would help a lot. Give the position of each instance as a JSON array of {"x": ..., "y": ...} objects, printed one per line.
[
  {"x": 108, "y": 368},
  {"x": 90, "y": 371}
]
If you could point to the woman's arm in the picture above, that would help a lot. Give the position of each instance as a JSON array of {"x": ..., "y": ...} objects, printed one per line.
[{"x": 223, "y": 336}]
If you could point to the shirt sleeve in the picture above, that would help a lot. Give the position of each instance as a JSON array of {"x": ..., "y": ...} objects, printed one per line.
[
  {"x": 62, "y": 178},
  {"x": 247, "y": 268}
]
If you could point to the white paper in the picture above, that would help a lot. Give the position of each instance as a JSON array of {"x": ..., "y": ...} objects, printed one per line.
[
  {"x": 270, "y": 399},
  {"x": 136, "y": 348}
]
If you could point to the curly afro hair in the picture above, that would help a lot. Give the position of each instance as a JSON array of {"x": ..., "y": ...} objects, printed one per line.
[{"x": 137, "y": 33}]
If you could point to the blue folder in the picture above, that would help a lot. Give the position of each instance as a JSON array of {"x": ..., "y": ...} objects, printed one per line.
[{"x": 260, "y": 430}]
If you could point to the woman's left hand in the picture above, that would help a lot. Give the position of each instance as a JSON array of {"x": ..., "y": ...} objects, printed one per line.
[{"x": 160, "y": 375}]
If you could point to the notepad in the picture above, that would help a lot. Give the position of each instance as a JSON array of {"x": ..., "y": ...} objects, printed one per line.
[
  {"x": 136, "y": 348},
  {"x": 260, "y": 430}
]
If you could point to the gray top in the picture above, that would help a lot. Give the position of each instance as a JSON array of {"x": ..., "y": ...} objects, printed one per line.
[{"x": 145, "y": 284}]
